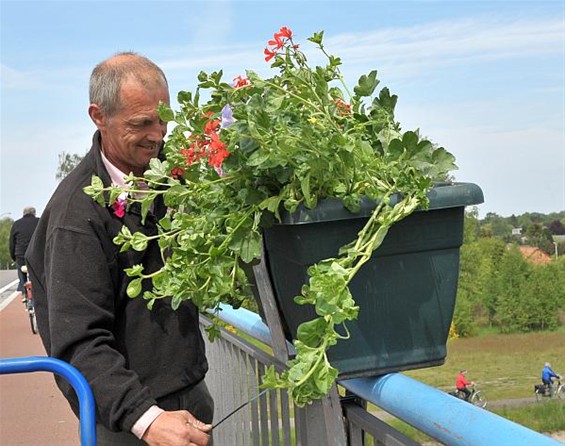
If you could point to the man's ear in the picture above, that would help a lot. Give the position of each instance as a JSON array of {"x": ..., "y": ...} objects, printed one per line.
[{"x": 96, "y": 115}]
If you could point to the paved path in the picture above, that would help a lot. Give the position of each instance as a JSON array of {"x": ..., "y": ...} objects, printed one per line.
[
  {"x": 8, "y": 284},
  {"x": 32, "y": 410}
]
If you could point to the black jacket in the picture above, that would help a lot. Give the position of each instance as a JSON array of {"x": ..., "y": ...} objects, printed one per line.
[
  {"x": 131, "y": 356},
  {"x": 20, "y": 236}
]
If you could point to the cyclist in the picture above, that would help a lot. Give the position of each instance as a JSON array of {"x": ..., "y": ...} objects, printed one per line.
[
  {"x": 461, "y": 383},
  {"x": 547, "y": 376}
]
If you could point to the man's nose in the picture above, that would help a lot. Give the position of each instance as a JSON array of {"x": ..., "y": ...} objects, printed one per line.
[{"x": 158, "y": 131}]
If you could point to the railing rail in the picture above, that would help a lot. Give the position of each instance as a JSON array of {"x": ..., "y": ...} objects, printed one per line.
[
  {"x": 87, "y": 421},
  {"x": 437, "y": 414}
]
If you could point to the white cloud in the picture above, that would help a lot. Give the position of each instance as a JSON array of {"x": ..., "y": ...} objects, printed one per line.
[
  {"x": 406, "y": 54},
  {"x": 12, "y": 79}
]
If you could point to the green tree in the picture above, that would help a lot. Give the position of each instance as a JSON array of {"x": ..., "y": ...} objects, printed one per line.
[
  {"x": 540, "y": 237},
  {"x": 5, "y": 226},
  {"x": 472, "y": 227},
  {"x": 556, "y": 227},
  {"x": 67, "y": 162},
  {"x": 463, "y": 318},
  {"x": 512, "y": 309},
  {"x": 485, "y": 256},
  {"x": 497, "y": 226},
  {"x": 541, "y": 297},
  {"x": 478, "y": 260}
]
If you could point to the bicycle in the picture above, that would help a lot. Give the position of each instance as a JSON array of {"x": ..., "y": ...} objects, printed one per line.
[
  {"x": 476, "y": 398},
  {"x": 542, "y": 391},
  {"x": 28, "y": 301}
]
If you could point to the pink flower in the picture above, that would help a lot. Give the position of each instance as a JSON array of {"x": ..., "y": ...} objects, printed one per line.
[{"x": 119, "y": 206}]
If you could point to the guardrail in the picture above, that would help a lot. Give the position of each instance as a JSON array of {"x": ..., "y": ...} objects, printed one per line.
[
  {"x": 87, "y": 421},
  {"x": 439, "y": 415}
]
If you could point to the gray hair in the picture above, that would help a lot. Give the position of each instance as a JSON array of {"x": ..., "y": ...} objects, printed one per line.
[
  {"x": 107, "y": 78},
  {"x": 29, "y": 210}
]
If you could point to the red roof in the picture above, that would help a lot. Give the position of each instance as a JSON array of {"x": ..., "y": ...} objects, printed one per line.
[{"x": 535, "y": 255}]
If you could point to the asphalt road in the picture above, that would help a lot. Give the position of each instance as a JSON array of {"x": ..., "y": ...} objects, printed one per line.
[
  {"x": 8, "y": 285},
  {"x": 32, "y": 410}
]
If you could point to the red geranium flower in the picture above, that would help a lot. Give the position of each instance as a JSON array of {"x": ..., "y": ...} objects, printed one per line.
[
  {"x": 269, "y": 54},
  {"x": 342, "y": 107},
  {"x": 279, "y": 39},
  {"x": 286, "y": 32},
  {"x": 177, "y": 172},
  {"x": 216, "y": 151},
  {"x": 239, "y": 82},
  {"x": 278, "y": 42},
  {"x": 211, "y": 126}
]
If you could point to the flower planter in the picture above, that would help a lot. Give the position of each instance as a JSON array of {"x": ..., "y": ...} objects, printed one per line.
[{"x": 406, "y": 292}]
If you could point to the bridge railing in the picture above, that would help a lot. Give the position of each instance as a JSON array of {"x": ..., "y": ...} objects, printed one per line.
[
  {"x": 237, "y": 362},
  {"x": 87, "y": 419}
]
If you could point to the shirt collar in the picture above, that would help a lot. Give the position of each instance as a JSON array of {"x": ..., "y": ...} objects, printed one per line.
[{"x": 116, "y": 175}]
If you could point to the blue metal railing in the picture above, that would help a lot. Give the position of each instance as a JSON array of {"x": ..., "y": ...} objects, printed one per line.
[
  {"x": 436, "y": 413},
  {"x": 87, "y": 419}
]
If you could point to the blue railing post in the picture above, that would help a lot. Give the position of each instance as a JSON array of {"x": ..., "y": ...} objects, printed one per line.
[{"x": 87, "y": 417}]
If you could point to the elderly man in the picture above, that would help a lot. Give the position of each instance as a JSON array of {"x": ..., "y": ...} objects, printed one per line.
[{"x": 146, "y": 368}]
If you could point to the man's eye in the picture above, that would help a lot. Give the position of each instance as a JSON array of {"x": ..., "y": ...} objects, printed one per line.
[{"x": 141, "y": 124}]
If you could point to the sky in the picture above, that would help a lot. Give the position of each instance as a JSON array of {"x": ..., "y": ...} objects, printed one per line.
[{"x": 484, "y": 79}]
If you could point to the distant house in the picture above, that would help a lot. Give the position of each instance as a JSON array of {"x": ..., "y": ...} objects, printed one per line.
[
  {"x": 535, "y": 255},
  {"x": 559, "y": 238}
]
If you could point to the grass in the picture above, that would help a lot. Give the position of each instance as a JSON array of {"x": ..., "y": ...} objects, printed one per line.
[
  {"x": 548, "y": 416},
  {"x": 505, "y": 366}
]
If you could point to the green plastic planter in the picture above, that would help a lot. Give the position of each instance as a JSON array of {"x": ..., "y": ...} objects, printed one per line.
[{"x": 406, "y": 292}]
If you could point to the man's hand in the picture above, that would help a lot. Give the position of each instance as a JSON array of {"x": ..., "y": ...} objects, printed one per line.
[{"x": 177, "y": 428}]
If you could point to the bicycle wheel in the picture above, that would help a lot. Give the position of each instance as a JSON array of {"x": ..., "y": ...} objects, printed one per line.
[
  {"x": 560, "y": 392},
  {"x": 478, "y": 399},
  {"x": 539, "y": 395},
  {"x": 33, "y": 321}
]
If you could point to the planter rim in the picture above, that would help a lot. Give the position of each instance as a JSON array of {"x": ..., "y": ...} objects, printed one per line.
[{"x": 442, "y": 196}]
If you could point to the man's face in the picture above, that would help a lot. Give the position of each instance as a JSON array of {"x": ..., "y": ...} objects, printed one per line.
[{"x": 134, "y": 134}]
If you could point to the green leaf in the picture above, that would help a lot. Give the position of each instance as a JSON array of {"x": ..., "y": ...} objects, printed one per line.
[
  {"x": 184, "y": 97},
  {"x": 257, "y": 158},
  {"x": 165, "y": 113},
  {"x": 157, "y": 170},
  {"x": 250, "y": 248},
  {"x": 305, "y": 187},
  {"x": 309, "y": 332},
  {"x": 317, "y": 37},
  {"x": 386, "y": 102},
  {"x": 96, "y": 190},
  {"x": 134, "y": 288},
  {"x": 135, "y": 270},
  {"x": 444, "y": 160},
  {"x": 366, "y": 84},
  {"x": 139, "y": 241}
]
